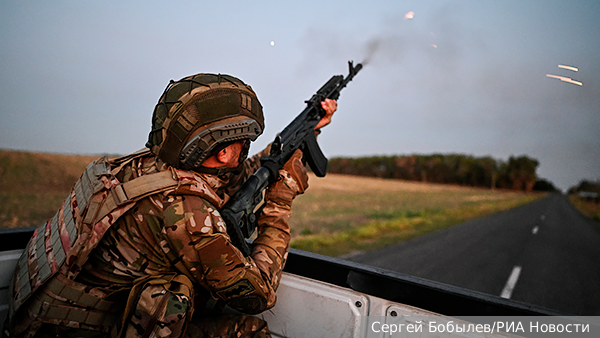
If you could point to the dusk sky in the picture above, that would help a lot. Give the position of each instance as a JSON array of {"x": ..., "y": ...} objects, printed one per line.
[{"x": 465, "y": 77}]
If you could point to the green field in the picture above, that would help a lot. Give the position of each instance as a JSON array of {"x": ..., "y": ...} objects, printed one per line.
[
  {"x": 342, "y": 214},
  {"x": 337, "y": 215}
]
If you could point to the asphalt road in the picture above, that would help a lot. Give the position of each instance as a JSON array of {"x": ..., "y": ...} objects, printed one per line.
[{"x": 544, "y": 253}]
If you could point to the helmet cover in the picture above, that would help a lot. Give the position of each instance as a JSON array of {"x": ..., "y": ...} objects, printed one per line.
[{"x": 199, "y": 115}]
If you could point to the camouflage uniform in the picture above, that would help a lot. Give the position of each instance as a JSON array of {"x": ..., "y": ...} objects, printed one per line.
[
  {"x": 139, "y": 244},
  {"x": 172, "y": 249}
]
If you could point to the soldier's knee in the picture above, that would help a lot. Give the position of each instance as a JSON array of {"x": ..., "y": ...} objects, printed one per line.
[{"x": 162, "y": 307}]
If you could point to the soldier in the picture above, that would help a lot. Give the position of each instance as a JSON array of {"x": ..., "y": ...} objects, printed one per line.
[{"x": 139, "y": 246}]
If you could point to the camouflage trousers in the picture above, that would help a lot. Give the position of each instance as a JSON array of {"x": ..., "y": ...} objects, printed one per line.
[
  {"x": 162, "y": 307},
  {"x": 238, "y": 326}
]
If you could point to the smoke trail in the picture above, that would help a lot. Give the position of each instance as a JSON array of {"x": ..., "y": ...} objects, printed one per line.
[{"x": 371, "y": 46}]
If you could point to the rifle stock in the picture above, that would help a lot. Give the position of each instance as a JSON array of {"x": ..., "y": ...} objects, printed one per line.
[{"x": 241, "y": 212}]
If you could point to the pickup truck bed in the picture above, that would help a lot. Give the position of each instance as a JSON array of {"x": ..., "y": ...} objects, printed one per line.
[{"x": 321, "y": 296}]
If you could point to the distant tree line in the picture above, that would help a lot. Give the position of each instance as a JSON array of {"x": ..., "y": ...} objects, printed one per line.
[
  {"x": 518, "y": 173},
  {"x": 587, "y": 189},
  {"x": 586, "y": 186}
]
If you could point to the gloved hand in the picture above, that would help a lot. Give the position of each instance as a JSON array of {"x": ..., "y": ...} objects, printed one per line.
[
  {"x": 273, "y": 241},
  {"x": 292, "y": 181}
]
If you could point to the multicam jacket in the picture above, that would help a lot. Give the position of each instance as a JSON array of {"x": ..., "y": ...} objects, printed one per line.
[{"x": 172, "y": 231}]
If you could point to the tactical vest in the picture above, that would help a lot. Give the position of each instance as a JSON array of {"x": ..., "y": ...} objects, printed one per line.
[{"x": 44, "y": 283}]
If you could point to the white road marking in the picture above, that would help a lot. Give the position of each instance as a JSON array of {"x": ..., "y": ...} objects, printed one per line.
[
  {"x": 511, "y": 282},
  {"x": 535, "y": 229}
]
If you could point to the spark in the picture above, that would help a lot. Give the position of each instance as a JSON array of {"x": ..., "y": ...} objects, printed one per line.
[
  {"x": 272, "y": 43},
  {"x": 565, "y": 79},
  {"x": 568, "y": 67},
  {"x": 409, "y": 15}
]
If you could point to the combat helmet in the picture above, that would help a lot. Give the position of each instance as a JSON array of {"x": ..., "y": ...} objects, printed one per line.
[{"x": 201, "y": 114}]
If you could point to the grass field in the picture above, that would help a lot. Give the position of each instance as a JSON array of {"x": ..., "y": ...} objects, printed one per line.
[
  {"x": 342, "y": 214},
  {"x": 590, "y": 209},
  {"x": 337, "y": 215},
  {"x": 33, "y": 185}
]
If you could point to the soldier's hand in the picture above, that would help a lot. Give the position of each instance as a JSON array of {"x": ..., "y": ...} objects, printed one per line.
[
  {"x": 292, "y": 181},
  {"x": 330, "y": 107}
]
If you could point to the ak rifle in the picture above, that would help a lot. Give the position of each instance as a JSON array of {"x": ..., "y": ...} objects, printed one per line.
[{"x": 241, "y": 212}]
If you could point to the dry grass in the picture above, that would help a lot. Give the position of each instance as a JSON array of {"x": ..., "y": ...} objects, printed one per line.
[
  {"x": 337, "y": 215},
  {"x": 589, "y": 208},
  {"x": 33, "y": 185},
  {"x": 340, "y": 214}
]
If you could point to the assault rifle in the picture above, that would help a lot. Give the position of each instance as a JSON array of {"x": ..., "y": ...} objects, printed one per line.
[{"x": 242, "y": 210}]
